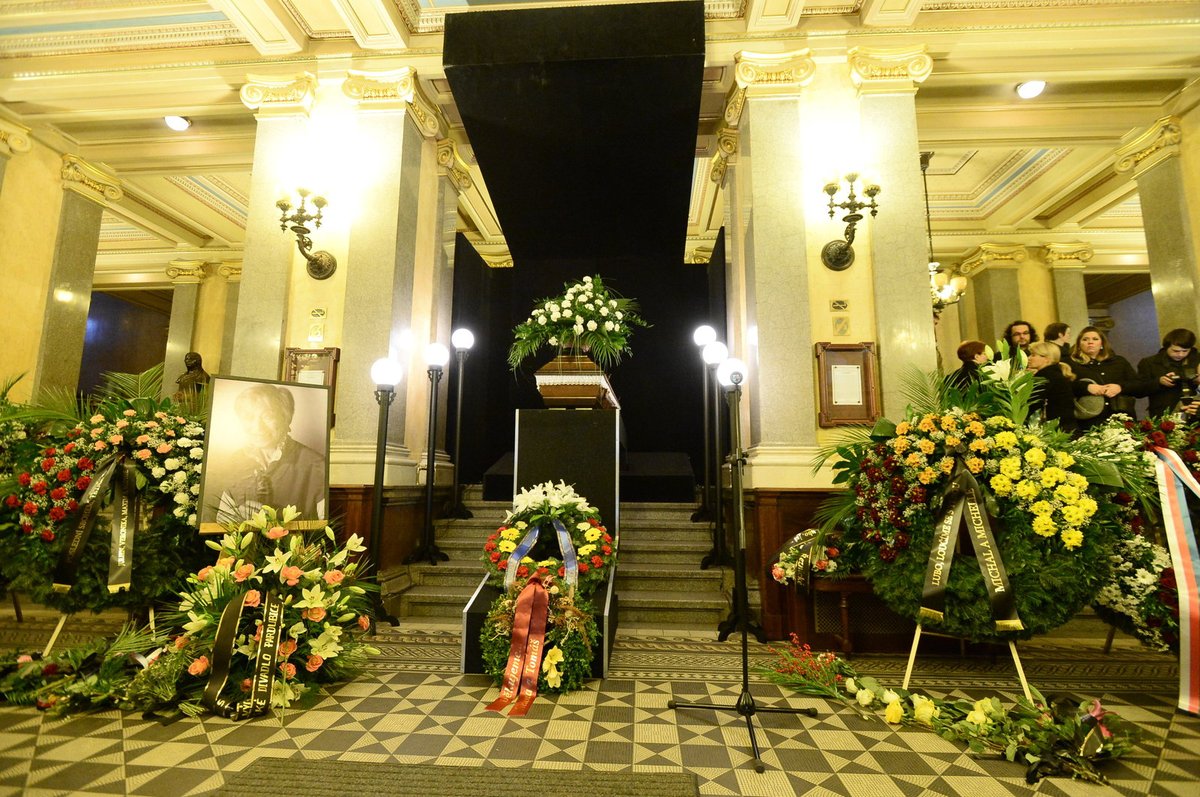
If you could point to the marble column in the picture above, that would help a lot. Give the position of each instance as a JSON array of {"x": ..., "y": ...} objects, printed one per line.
[
  {"x": 995, "y": 287},
  {"x": 1168, "y": 211},
  {"x": 776, "y": 342},
  {"x": 887, "y": 86},
  {"x": 282, "y": 112},
  {"x": 1066, "y": 262},
  {"x": 380, "y": 269},
  {"x": 87, "y": 190},
  {"x": 231, "y": 272},
  {"x": 14, "y": 138},
  {"x": 185, "y": 276}
]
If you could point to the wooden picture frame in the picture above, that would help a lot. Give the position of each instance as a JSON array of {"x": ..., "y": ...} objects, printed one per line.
[
  {"x": 313, "y": 367},
  {"x": 848, "y": 385}
]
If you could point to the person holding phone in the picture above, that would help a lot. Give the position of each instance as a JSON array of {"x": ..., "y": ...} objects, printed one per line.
[{"x": 1171, "y": 374}]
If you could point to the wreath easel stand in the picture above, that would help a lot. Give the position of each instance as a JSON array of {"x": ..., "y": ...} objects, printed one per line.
[{"x": 1012, "y": 647}]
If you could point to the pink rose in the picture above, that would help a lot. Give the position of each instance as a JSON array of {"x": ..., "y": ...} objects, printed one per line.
[
  {"x": 142, "y": 453},
  {"x": 96, "y": 419},
  {"x": 253, "y": 598},
  {"x": 315, "y": 613},
  {"x": 246, "y": 685},
  {"x": 287, "y": 648},
  {"x": 288, "y": 670},
  {"x": 275, "y": 532},
  {"x": 225, "y": 562},
  {"x": 180, "y": 642},
  {"x": 142, "y": 439},
  {"x": 314, "y": 663},
  {"x": 777, "y": 573},
  {"x": 244, "y": 572},
  {"x": 122, "y": 424},
  {"x": 116, "y": 439},
  {"x": 364, "y": 622},
  {"x": 151, "y": 424},
  {"x": 334, "y": 577},
  {"x": 24, "y": 658},
  {"x": 291, "y": 575},
  {"x": 129, "y": 413},
  {"x": 203, "y": 574},
  {"x": 163, "y": 448},
  {"x": 96, "y": 433},
  {"x": 100, "y": 445},
  {"x": 199, "y": 666}
]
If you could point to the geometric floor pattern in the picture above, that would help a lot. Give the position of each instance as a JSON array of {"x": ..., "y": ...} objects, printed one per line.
[{"x": 413, "y": 706}]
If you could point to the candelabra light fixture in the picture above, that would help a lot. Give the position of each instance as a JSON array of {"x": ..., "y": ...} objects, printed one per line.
[
  {"x": 945, "y": 288},
  {"x": 321, "y": 264},
  {"x": 838, "y": 255}
]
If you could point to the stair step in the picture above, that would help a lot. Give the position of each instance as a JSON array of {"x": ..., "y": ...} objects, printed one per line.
[{"x": 667, "y": 577}]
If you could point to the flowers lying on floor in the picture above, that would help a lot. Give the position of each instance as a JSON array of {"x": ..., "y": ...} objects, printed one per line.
[
  {"x": 1057, "y": 737},
  {"x": 279, "y": 613}
]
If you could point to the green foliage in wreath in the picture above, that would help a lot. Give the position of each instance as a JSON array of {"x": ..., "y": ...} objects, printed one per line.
[{"x": 570, "y": 635}]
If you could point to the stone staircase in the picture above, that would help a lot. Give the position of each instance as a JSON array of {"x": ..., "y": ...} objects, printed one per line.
[{"x": 659, "y": 580}]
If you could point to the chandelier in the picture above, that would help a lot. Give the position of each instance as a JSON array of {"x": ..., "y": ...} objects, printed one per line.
[{"x": 945, "y": 288}]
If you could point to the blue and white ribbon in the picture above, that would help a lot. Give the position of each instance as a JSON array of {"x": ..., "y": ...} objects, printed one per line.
[{"x": 565, "y": 544}]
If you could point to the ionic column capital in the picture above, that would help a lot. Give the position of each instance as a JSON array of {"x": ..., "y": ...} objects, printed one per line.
[
  {"x": 993, "y": 256},
  {"x": 1068, "y": 255},
  {"x": 187, "y": 272},
  {"x": 452, "y": 165},
  {"x": 14, "y": 138},
  {"x": 1159, "y": 142},
  {"x": 395, "y": 89},
  {"x": 272, "y": 96},
  {"x": 230, "y": 270},
  {"x": 499, "y": 257},
  {"x": 892, "y": 70},
  {"x": 90, "y": 182}
]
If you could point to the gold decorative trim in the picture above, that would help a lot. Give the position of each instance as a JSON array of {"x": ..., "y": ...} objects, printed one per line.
[
  {"x": 396, "y": 89},
  {"x": 272, "y": 96},
  {"x": 186, "y": 272},
  {"x": 989, "y": 255},
  {"x": 497, "y": 260},
  {"x": 699, "y": 255},
  {"x": 889, "y": 70},
  {"x": 452, "y": 164},
  {"x": 1159, "y": 142},
  {"x": 14, "y": 138},
  {"x": 230, "y": 270},
  {"x": 1053, "y": 253},
  {"x": 89, "y": 181}
]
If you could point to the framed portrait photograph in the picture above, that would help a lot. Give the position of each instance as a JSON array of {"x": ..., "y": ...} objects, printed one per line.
[{"x": 267, "y": 445}]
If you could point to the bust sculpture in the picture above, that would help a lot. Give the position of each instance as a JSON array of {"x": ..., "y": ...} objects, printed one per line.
[{"x": 192, "y": 381}]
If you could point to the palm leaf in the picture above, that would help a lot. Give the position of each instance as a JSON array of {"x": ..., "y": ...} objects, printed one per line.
[
  {"x": 7, "y": 385},
  {"x": 846, "y": 437},
  {"x": 128, "y": 387},
  {"x": 924, "y": 391}
]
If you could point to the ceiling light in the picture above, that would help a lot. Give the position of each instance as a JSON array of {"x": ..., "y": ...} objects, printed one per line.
[
  {"x": 1030, "y": 89},
  {"x": 178, "y": 123}
]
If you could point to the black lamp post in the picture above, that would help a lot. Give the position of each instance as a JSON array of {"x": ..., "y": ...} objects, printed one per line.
[
  {"x": 714, "y": 354},
  {"x": 463, "y": 340},
  {"x": 703, "y": 336},
  {"x": 436, "y": 357},
  {"x": 386, "y": 374}
]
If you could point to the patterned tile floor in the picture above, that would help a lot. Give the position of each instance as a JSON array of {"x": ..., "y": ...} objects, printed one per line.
[{"x": 414, "y": 707}]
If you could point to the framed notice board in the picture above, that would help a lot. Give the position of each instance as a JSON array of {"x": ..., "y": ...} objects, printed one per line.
[
  {"x": 848, "y": 388},
  {"x": 313, "y": 367}
]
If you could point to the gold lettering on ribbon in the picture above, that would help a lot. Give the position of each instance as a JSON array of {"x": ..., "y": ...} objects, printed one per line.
[{"x": 983, "y": 547}]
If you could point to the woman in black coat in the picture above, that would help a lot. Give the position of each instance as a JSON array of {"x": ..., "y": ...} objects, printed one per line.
[
  {"x": 1056, "y": 390},
  {"x": 971, "y": 355},
  {"x": 1115, "y": 379}
]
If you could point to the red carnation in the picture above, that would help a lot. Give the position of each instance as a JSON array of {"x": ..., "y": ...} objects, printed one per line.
[
  {"x": 502, "y": 564},
  {"x": 1167, "y": 426},
  {"x": 27, "y": 528},
  {"x": 72, "y": 505},
  {"x": 495, "y": 557},
  {"x": 489, "y": 546},
  {"x": 583, "y": 568},
  {"x": 58, "y": 493},
  {"x": 12, "y": 501},
  {"x": 85, "y": 463},
  {"x": 50, "y": 452},
  {"x": 82, "y": 482},
  {"x": 40, "y": 488},
  {"x": 24, "y": 479},
  {"x": 597, "y": 562},
  {"x": 64, "y": 475},
  {"x": 522, "y": 571},
  {"x": 48, "y": 465},
  {"x": 30, "y": 508},
  {"x": 68, "y": 448},
  {"x": 608, "y": 538},
  {"x": 48, "y": 535},
  {"x": 607, "y": 549},
  {"x": 57, "y": 513},
  {"x": 562, "y": 571}
]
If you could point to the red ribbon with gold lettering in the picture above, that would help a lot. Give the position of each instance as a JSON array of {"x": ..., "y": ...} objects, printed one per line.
[{"x": 525, "y": 652}]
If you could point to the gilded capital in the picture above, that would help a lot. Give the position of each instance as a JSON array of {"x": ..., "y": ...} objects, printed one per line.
[
  {"x": 698, "y": 255},
  {"x": 500, "y": 259},
  {"x": 1057, "y": 255},
  {"x": 90, "y": 181},
  {"x": 396, "y": 89},
  {"x": 186, "y": 272},
  {"x": 775, "y": 73},
  {"x": 272, "y": 96},
  {"x": 14, "y": 138},
  {"x": 994, "y": 255},
  {"x": 230, "y": 270},
  {"x": 452, "y": 164},
  {"x": 892, "y": 70},
  {"x": 1159, "y": 142}
]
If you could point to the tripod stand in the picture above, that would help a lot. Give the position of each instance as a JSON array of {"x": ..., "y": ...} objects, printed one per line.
[{"x": 745, "y": 704}]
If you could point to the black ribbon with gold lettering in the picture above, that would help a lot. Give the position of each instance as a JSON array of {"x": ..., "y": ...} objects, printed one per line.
[
  {"x": 804, "y": 542},
  {"x": 964, "y": 499},
  {"x": 125, "y": 507},
  {"x": 265, "y": 655},
  {"x": 80, "y": 527}
]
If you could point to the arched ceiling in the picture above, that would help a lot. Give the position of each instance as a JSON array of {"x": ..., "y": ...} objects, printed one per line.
[{"x": 96, "y": 77}]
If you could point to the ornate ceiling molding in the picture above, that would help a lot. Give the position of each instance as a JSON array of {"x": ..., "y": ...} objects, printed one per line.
[
  {"x": 497, "y": 259},
  {"x": 90, "y": 181},
  {"x": 396, "y": 89},
  {"x": 187, "y": 272},
  {"x": 992, "y": 256},
  {"x": 452, "y": 164},
  {"x": 14, "y": 138},
  {"x": 892, "y": 70},
  {"x": 230, "y": 270},
  {"x": 1155, "y": 145},
  {"x": 273, "y": 96},
  {"x": 1067, "y": 255}
]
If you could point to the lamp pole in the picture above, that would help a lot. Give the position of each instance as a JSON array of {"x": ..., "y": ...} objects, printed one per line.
[
  {"x": 462, "y": 339},
  {"x": 436, "y": 357},
  {"x": 703, "y": 336},
  {"x": 714, "y": 354},
  {"x": 386, "y": 374}
]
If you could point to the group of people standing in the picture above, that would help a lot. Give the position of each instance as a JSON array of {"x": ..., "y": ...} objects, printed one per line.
[{"x": 1082, "y": 383}]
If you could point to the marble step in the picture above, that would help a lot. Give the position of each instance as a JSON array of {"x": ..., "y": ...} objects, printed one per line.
[
  {"x": 668, "y": 578},
  {"x": 475, "y": 531}
]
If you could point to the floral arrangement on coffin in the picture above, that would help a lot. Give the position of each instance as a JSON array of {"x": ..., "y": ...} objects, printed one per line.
[
  {"x": 326, "y": 611},
  {"x": 570, "y": 626},
  {"x": 1052, "y": 532},
  {"x": 53, "y": 470},
  {"x": 539, "y": 507},
  {"x": 1060, "y": 738},
  {"x": 588, "y": 316}
]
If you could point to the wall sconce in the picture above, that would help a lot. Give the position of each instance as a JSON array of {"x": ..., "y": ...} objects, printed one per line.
[
  {"x": 321, "y": 264},
  {"x": 839, "y": 255}
]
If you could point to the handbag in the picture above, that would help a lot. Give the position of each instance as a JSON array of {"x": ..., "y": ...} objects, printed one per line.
[{"x": 1088, "y": 406}]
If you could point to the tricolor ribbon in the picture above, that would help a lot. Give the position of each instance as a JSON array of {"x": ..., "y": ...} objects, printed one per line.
[
  {"x": 964, "y": 500},
  {"x": 121, "y": 474},
  {"x": 525, "y": 651},
  {"x": 265, "y": 655},
  {"x": 565, "y": 545},
  {"x": 1173, "y": 479}
]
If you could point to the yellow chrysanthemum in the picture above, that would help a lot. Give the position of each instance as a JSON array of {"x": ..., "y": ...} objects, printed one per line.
[
  {"x": 926, "y": 446},
  {"x": 946, "y": 464},
  {"x": 914, "y": 460},
  {"x": 1011, "y": 467},
  {"x": 927, "y": 476},
  {"x": 926, "y": 424},
  {"x": 1088, "y": 506},
  {"x": 1077, "y": 481},
  {"x": 976, "y": 428},
  {"x": 1001, "y": 484},
  {"x": 952, "y": 441},
  {"x": 510, "y": 533},
  {"x": 1044, "y": 508},
  {"x": 1035, "y": 457},
  {"x": 1006, "y": 439},
  {"x": 1073, "y": 515},
  {"x": 1066, "y": 493},
  {"x": 506, "y": 546},
  {"x": 1064, "y": 459},
  {"x": 900, "y": 445},
  {"x": 949, "y": 423},
  {"x": 1072, "y": 538},
  {"x": 904, "y": 427},
  {"x": 982, "y": 446},
  {"x": 1001, "y": 422},
  {"x": 975, "y": 464},
  {"x": 1043, "y": 525},
  {"x": 1027, "y": 489},
  {"x": 1052, "y": 476}
]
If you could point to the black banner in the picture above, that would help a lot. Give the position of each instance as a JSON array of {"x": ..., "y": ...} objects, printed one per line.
[
  {"x": 125, "y": 522},
  {"x": 265, "y": 656},
  {"x": 805, "y": 541},
  {"x": 81, "y": 527}
]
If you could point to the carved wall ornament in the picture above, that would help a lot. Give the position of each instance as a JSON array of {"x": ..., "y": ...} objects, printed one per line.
[
  {"x": 888, "y": 70},
  {"x": 699, "y": 255},
  {"x": 394, "y": 89},
  {"x": 452, "y": 164},
  {"x": 14, "y": 138},
  {"x": 280, "y": 96},
  {"x": 231, "y": 270},
  {"x": 1156, "y": 144},
  {"x": 89, "y": 181},
  {"x": 988, "y": 255},
  {"x": 497, "y": 260},
  {"x": 1055, "y": 253},
  {"x": 186, "y": 272}
]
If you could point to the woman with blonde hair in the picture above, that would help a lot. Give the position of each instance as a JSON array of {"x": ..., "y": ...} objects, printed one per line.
[{"x": 1055, "y": 392}]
